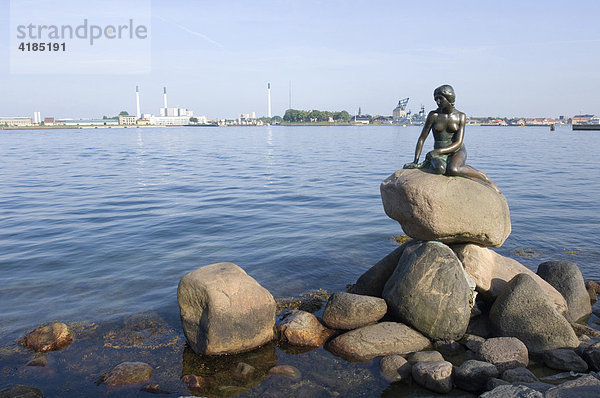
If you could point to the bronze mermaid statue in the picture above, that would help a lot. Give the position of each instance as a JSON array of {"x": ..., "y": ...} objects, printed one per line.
[{"x": 449, "y": 155}]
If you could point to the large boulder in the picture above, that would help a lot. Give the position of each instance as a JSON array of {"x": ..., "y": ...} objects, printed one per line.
[
  {"x": 492, "y": 271},
  {"x": 523, "y": 311},
  {"x": 447, "y": 209},
  {"x": 566, "y": 277},
  {"x": 371, "y": 283},
  {"x": 224, "y": 310},
  {"x": 350, "y": 311},
  {"x": 429, "y": 291},
  {"x": 385, "y": 338}
]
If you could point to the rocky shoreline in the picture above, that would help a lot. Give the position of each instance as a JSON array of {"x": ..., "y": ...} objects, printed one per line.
[{"x": 442, "y": 313}]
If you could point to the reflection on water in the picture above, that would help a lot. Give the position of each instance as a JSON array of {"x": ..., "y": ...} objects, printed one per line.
[{"x": 226, "y": 377}]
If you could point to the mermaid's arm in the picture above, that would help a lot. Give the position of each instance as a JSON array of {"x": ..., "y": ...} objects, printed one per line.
[{"x": 424, "y": 134}]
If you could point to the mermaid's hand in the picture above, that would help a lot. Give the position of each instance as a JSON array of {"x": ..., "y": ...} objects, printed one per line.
[{"x": 411, "y": 165}]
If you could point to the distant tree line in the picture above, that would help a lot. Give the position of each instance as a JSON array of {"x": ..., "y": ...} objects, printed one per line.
[{"x": 299, "y": 116}]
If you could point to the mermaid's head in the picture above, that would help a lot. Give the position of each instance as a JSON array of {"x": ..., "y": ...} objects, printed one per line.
[{"x": 447, "y": 92}]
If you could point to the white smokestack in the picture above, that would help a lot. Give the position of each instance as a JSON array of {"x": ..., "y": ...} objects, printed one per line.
[
  {"x": 138, "y": 114},
  {"x": 165, "y": 97},
  {"x": 268, "y": 99}
]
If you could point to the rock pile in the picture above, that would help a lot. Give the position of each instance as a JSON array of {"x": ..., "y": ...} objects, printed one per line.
[{"x": 444, "y": 289}]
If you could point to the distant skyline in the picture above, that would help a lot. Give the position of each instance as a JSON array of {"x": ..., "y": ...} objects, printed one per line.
[{"x": 509, "y": 59}]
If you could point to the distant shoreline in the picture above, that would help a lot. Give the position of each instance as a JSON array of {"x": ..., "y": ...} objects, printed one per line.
[{"x": 25, "y": 128}]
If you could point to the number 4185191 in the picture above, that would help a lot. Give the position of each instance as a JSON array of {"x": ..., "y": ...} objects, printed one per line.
[{"x": 43, "y": 47}]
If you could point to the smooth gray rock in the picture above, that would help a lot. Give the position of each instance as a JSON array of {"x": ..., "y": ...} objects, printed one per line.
[
  {"x": 583, "y": 387},
  {"x": 566, "y": 277},
  {"x": 395, "y": 368},
  {"x": 385, "y": 338},
  {"x": 429, "y": 291},
  {"x": 504, "y": 352},
  {"x": 224, "y": 310},
  {"x": 523, "y": 311},
  {"x": 446, "y": 209},
  {"x": 21, "y": 391},
  {"x": 434, "y": 376},
  {"x": 510, "y": 391},
  {"x": 492, "y": 271},
  {"x": 473, "y": 375},
  {"x": 564, "y": 359},
  {"x": 349, "y": 311},
  {"x": 519, "y": 375},
  {"x": 371, "y": 283},
  {"x": 424, "y": 356},
  {"x": 591, "y": 355}
]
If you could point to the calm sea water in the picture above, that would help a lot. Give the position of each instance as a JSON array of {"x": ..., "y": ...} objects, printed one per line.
[{"x": 99, "y": 224}]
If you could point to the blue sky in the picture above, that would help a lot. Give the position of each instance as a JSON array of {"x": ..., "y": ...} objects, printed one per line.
[{"x": 509, "y": 58}]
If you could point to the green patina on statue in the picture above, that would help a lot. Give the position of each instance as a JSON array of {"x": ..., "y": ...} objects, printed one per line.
[{"x": 449, "y": 154}]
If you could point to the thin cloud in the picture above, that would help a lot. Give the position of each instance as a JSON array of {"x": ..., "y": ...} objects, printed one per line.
[{"x": 192, "y": 32}]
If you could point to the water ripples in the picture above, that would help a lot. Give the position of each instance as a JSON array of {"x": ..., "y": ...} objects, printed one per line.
[{"x": 100, "y": 223}]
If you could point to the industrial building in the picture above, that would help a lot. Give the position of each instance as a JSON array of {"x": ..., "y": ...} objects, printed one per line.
[
  {"x": 126, "y": 120},
  {"x": 168, "y": 116},
  {"x": 15, "y": 121}
]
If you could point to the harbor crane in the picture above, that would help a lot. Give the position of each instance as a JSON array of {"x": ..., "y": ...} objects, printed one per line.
[{"x": 402, "y": 103}]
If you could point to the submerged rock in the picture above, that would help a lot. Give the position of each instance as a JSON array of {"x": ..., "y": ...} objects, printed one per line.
[
  {"x": 492, "y": 271},
  {"x": 51, "y": 337},
  {"x": 303, "y": 329},
  {"x": 350, "y": 311},
  {"x": 128, "y": 373},
  {"x": 195, "y": 381},
  {"x": 447, "y": 209},
  {"x": 429, "y": 291},
  {"x": 286, "y": 370},
  {"x": 524, "y": 312},
  {"x": 385, "y": 338},
  {"x": 224, "y": 310},
  {"x": 566, "y": 277},
  {"x": 21, "y": 391}
]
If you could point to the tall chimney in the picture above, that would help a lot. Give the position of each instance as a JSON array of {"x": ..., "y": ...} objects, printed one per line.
[
  {"x": 268, "y": 99},
  {"x": 138, "y": 114},
  {"x": 165, "y": 98}
]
